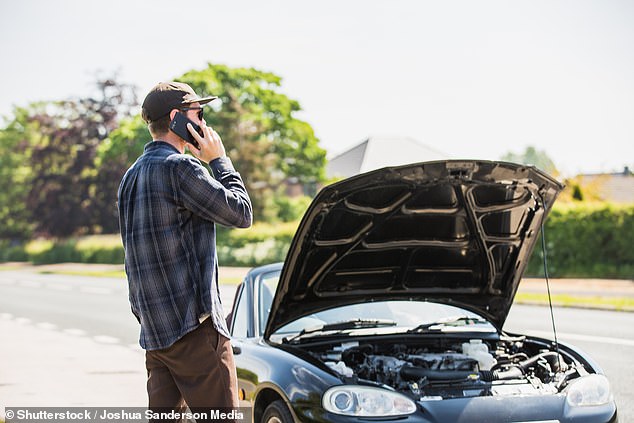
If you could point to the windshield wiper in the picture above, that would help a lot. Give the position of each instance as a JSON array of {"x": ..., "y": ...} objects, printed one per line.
[
  {"x": 456, "y": 321},
  {"x": 345, "y": 325}
]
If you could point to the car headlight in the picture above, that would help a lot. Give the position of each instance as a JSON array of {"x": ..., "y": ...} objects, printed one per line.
[
  {"x": 589, "y": 390},
  {"x": 364, "y": 401}
]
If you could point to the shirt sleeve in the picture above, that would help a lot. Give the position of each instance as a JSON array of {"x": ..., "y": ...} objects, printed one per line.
[{"x": 222, "y": 199}]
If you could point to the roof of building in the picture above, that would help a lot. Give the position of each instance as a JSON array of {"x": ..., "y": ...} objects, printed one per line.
[
  {"x": 614, "y": 187},
  {"x": 377, "y": 152}
]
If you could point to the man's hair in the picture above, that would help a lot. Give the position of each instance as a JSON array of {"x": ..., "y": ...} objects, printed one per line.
[{"x": 160, "y": 126}]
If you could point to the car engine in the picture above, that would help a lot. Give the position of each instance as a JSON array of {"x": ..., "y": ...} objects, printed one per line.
[{"x": 441, "y": 368}]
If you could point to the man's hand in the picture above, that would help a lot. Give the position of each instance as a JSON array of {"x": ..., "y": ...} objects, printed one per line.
[{"x": 211, "y": 146}]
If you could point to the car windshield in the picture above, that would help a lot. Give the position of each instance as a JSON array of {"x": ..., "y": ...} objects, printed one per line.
[
  {"x": 405, "y": 314},
  {"x": 415, "y": 315}
]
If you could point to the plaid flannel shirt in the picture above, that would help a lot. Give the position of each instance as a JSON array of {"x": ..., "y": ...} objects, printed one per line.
[{"x": 168, "y": 206}]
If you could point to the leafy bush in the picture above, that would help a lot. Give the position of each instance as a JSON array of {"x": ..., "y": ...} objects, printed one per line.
[
  {"x": 583, "y": 240},
  {"x": 64, "y": 252},
  {"x": 264, "y": 252},
  {"x": 10, "y": 251},
  {"x": 262, "y": 244},
  {"x": 106, "y": 249},
  {"x": 238, "y": 238},
  {"x": 291, "y": 209},
  {"x": 587, "y": 240}
]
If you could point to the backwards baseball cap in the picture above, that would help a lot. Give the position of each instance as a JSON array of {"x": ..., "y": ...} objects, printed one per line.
[{"x": 166, "y": 96}]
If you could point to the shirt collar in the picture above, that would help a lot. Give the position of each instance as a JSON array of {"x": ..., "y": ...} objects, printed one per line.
[{"x": 155, "y": 145}]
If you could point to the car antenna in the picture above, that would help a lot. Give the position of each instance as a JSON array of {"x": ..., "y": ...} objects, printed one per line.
[{"x": 550, "y": 301}]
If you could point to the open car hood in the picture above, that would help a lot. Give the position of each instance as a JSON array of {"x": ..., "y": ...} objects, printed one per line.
[{"x": 458, "y": 232}]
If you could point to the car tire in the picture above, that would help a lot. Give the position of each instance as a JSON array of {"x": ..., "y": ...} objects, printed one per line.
[{"x": 277, "y": 412}]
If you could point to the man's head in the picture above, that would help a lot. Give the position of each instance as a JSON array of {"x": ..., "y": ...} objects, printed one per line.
[{"x": 165, "y": 97}]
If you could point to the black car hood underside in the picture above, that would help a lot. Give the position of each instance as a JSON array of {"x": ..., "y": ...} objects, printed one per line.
[{"x": 458, "y": 232}]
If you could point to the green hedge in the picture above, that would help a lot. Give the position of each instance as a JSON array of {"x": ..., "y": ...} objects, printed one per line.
[
  {"x": 262, "y": 244},
  {"x": 12, "y": 252},
  {"x": 588, "y": 240},
  {"x": 106, "y": 249}
]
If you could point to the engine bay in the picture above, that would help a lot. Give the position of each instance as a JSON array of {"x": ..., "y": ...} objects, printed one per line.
[{"x": 441, "y": 368}]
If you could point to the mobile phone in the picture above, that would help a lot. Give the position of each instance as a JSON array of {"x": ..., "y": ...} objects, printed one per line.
[{"x": 179, "y": 126}]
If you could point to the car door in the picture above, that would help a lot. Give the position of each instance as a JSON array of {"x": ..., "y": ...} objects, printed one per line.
[{"x": 246, "y": 324}]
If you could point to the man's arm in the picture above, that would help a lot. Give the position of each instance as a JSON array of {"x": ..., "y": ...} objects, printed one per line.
[{"x": 222, "y": 200}]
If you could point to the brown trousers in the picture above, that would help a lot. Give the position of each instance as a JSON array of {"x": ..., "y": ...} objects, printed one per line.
[{"x": 198, "y": 371}]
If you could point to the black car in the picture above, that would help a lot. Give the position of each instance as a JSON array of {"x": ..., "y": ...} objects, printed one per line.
[{"x": 391, "y": 301}]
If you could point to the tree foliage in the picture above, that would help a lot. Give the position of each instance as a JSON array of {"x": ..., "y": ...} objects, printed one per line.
[
  {"x": 16, "y": 140},
  {"x": 113, "y": 156},
  {"x": 61, "y": 162},
  {"x": 50, "y": 149},
  {"x": 259, "y": 130},
  {"x": 532, "y": 156}
]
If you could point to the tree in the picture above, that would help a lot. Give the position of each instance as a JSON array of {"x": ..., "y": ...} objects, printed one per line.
[
  {"x": 579, "y": 189},
  {"x": 114, "y": 155},
  {"x": 68, "y": 196},
  {"x": 61, "y": 162},
  {"x": 259, "y": 130},
  {"x": 256, "y": 122},
  {"x": 53, "y": 145},
  {"x": 16, "y": 141},
  {"x": 532, "y": 156}
]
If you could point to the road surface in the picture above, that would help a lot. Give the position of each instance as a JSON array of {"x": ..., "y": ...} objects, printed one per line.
[{"x": 72, "y": 340}]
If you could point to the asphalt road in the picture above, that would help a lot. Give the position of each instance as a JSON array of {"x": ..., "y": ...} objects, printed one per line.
[{"x": 96, "y": 310}]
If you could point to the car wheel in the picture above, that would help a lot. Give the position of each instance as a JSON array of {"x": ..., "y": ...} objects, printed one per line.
[{"x": 277, "y": 412}]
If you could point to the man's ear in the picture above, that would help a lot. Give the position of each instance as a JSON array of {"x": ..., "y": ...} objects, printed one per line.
[{"x": 173, "y": 113}]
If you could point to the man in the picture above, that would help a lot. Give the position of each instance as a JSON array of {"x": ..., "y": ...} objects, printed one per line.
[{"x": 168, "y": 206}]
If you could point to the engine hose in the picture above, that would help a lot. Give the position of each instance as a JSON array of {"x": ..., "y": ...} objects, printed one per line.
[
  {"x": 508, "y": 374},
  {"x": 418, "y": 373},
  {"x": 412, "y": 373},
  {"x": 509, "y": 360},
  {"x": 551, "y": 357}
]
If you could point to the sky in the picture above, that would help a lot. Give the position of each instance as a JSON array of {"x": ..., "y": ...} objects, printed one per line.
[{"x": 473, "y": 79}]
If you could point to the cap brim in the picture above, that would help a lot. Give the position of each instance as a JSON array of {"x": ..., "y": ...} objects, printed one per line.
[{"x": 203, "y": 100}]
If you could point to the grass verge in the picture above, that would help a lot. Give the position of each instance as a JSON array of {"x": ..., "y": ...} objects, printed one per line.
[
  {"x": 98, "y": 274},
  {"x": 121, "y": 275},
  {"x": 94, "y": 271},
  {"x": 565, "y": 300}
]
